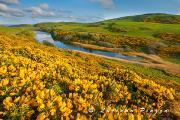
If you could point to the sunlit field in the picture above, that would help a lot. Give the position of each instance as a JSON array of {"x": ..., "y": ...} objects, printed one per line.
[
  {"x": 44, "y": 82},
  {"x": 89, "y": 60}
]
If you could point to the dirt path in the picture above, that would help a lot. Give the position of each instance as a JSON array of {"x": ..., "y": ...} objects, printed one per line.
[{"x": 153, "y": 61}]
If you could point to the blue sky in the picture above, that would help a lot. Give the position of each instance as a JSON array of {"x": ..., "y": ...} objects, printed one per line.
[{"x": 34, "y": 11}]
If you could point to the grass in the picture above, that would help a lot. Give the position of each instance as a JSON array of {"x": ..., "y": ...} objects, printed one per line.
[
  {"x": 148, "y": 72},
  {"x": 135, "y": 29},
  {"x": 15, "y": 29},
  {"x": 174, "y": 59},
  {"x": 48, "y": 43},
  {"x": 154, "y": 17},
  {"x": 141, "y": 29},
  {"x": 10, "y": 30}
]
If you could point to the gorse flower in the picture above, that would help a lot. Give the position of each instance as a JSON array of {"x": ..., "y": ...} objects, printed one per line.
[
  {"x": 8, "y": 103},
  {"x": 40, "y": 82}
]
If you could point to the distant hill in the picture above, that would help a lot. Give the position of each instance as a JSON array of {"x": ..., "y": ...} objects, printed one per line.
[
  {"x": 22, "y": 25},
  {"x": 154, "y": 17}
]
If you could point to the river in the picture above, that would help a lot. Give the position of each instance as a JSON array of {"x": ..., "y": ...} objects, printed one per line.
[{"x": 44, "y": 36}]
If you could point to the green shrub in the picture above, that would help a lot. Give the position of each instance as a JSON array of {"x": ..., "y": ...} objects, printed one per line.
[{"x": 48, "y": 43}]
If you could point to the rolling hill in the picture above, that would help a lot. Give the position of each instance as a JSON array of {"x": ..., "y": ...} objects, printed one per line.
[{"x": 154, "y": 17}]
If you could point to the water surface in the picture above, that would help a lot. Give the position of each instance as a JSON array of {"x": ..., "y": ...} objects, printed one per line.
[{"x": 44, "y": 36}]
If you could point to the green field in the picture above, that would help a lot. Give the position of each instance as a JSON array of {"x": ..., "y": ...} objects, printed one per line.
[{"x": 129, "y": 27}]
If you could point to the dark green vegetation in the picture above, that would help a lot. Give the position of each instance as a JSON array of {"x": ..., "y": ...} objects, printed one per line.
[
  {"x": 154, "y": 17},
  {"x": 48, "y": 43}
]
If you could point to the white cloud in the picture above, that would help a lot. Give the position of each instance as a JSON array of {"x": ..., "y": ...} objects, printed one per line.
[
  {"x": 105, "y": 3},
  {"x": 7, "y": 11},
  {"x": 9, "y": 1},
  {"x": 41, "y": 11},
  {"x": 44, "y": 6}
]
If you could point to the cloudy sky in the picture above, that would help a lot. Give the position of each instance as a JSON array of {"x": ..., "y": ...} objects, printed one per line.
[{"x": 34, "y": 11}]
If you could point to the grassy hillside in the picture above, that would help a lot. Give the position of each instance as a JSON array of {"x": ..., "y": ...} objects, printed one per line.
[
  {"x": 117, "y": 27},
  {"x": 154, "y": 17},
  {"x": 38, "y": 81}
]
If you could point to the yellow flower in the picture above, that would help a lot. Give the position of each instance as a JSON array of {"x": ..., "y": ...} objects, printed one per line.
[
  {"x": 8, "y": 102},
  {"x": 70, "y": 95},
  {"x": 12, "y": 94},
  {"x": 41, "y": 94},
  {"x": 139, "y": 117},
  {"x": 130, "y": 117},
  {"x": 5, "y": 82},
  {"x": 68, "y": 111},
  {"x": 69, "y": 104},
  {"x": 22, "y": 74},
  {"x": 41, "y": 116},
  {"x": 17, "y": 99},
  {"x": 1, "y": 113},
  {"x": 110, "y": 116},
  {"x": 52, "y": 93},
  {"x": 49, "y": 104},
  {"x": 53, "y": 111},
  {"x": 63, "y": 109},
  {"x": 29, "y": 113},
  {"x": 28, "y": 89},
  {"x": 3, "y": 70},
  {"x": 39, "y": 100},
  {"x": 42, "y": 106},
  {"x": 22, "y": 99},
  {"x": 14, "y": 83},
  {"x": 12, "y": 68}
]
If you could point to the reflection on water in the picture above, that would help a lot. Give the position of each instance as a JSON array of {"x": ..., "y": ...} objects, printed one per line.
[{"x": 43, "y": 36}]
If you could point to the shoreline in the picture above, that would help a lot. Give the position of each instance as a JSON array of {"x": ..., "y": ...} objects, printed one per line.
[{"x": 96, "y": 47}]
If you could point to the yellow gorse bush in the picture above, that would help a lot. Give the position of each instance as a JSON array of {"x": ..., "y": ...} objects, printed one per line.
[{"x": 39, "y": 82}]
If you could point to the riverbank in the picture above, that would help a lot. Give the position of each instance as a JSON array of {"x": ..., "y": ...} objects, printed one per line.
[
  {"x": 152, "y": 61},
  {"x": 148, "y": 60},
  {"x": 96, "y": 47}
]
